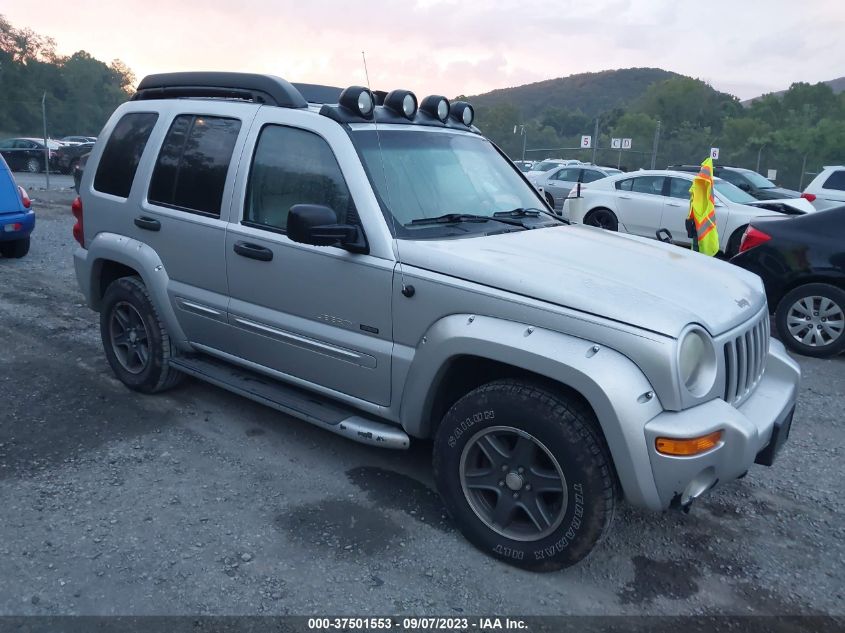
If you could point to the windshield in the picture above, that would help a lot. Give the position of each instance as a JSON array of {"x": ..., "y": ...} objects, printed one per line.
[
  {"x": 733, "y": 193},
  {"x": 757, "y": 180},
  {"x": 430, "y": 173}
]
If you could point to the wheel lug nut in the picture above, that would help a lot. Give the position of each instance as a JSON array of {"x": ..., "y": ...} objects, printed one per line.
[
  {"x": 504, "y": 467},
  {"x": 501, "y": 483},
  {"x": 520, "y": 470},
  {"x": 528, "y": 486},
  {"x": 516, "y": 495}
]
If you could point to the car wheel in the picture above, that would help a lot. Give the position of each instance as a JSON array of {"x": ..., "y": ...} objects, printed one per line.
[
  {"x": 550, "y": 201},
  {"x": 602, "y": 218},
  {"x": 810, "y": 320},
  {"x": 735, "y": 241},
  {"x": 14, "y": 249},
  {"x": 33, "y": 165},
  {"x": 136, "y": 343},
  {"x": 526, "y": 474}
]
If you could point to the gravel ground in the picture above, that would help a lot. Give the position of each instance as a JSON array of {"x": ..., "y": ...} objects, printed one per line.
[{"x": 200, "y": 502}]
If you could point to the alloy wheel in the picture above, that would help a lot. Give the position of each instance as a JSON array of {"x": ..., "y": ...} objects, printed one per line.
[
  {"x": 129, "y": 338},
  {"x": 816, "y": 321}
]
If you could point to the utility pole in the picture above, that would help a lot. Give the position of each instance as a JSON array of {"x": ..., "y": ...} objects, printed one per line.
[
  {"x": 759, "y": 152},
  {"x": 46, "y": 147},
  {"x": 654, "y": 147},
  {"x": 522, "y": 131},
  {"x": 803, "y": 167},
  {"x": 595, "y": 140}
]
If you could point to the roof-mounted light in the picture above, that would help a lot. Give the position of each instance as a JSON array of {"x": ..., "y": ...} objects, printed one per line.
[
  {"x": 462, "y": 112},
  {"x": 402, "y": 102},
  {"x": 358, "y": 99},
  {"x": 436, "y": 106}
]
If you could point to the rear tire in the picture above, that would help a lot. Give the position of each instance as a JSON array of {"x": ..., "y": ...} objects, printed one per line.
[
  {"x": 136, "y": 343},
  {"x": 550, "y": 201},
  {"x": 15, "y": 249},
  {"x": 551, "y": 491},
  {"x": 603, "y": 219},
  {"x": 815, "y": 312}
]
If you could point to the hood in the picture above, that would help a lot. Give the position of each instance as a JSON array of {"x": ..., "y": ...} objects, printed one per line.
[{"x": 633, "y": 280}]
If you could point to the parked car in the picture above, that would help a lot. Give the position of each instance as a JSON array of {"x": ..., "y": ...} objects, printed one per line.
[
  {"x": 68, "y": 156},
  {"x": 539, "y": 169},
  {"x": 17, "y": 219},
  {"x": 827, "y": 189},
  {"x": 801, "y": 261},
  {"x": 75, "y": 140},
  {"x": 524, "y": 165},
  {"x": 557, "y": 183},
  {"x": 645, "y": 201},
  {"x": 27, "y": 154},
  {"x": 78, "y": 169},
  {"x": 746, "y": 179},
  {"x": 403, "y": 280}
]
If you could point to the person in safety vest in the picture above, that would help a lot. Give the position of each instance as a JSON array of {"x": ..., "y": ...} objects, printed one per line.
[{"x": 701, "y": 223}]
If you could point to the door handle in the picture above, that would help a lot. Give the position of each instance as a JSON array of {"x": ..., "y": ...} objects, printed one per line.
[
  {"x": 253, "y": 251},
  {"x": 670, "y": 204},
  {"x": 625, "y": 197},
  {"x": 148, "y": 224}
]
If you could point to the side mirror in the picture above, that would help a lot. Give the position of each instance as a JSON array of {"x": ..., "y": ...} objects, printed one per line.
[{"x": 317, "y": 225}]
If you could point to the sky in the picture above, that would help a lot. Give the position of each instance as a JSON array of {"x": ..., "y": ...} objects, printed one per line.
[{"x": 452, "y": 47}]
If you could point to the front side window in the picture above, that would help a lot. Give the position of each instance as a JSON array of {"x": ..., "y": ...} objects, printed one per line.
[
  {"x": 420, "y": 174},
  {"x": 293, "y": 166},
  {"x": 569, "y": 175},
  {"x": 591, "y": 175},
  {"x": 190, "y": 172},
  {"x": 122, "y": 153}
]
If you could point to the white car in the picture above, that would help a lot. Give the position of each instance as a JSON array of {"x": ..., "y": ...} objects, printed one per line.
[
  {"x": 538, "y": 170},
  {"x": 556, "y": 184},
  {"x": 827, "y": 189},
  {"x": 645, "y": 201}
]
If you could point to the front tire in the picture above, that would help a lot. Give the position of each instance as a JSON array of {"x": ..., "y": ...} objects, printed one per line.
[
  {"x": 136, "y": 343},
  {"x": 15, "y": 249},
  {"x": 526, "y": 474},
  {"x": 33, "y": 165},
  {"x": 810, "y": 320}
]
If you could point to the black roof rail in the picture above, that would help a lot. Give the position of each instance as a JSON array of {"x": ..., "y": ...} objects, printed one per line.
[
  {"x": 315, "y": 93},
  {"x": 266, "y": 89}
]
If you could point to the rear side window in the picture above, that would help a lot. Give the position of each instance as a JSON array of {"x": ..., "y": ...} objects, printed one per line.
[
  {"x": 190, "y": 172},
  {"x": 648, "y": 184},
  {"x": 591, "y": 175},
  {"x": 625, "y": 185},
  {"x": 122, "y": 153},
  {"x": 835, "y": 181},
  {"x": 293, "y": 166}
]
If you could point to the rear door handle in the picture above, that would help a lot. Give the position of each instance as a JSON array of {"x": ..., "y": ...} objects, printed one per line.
[
  {"x": 670, "y": 204},
  {"x": 253, "y": 251},
  {"x": 148, "y": 224},
  {"x": 625, "y": 197}
]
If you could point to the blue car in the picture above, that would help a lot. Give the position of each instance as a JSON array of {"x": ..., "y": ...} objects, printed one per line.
[{"x": 17, "y": 219}]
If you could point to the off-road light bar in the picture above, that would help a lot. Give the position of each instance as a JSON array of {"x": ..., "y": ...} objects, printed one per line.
[
  {"x": 358, "y": 99},
  {"x": 436, "y": 106},
  {"x": 402, "y": 102},
  {"x": 462, "y": 112}
]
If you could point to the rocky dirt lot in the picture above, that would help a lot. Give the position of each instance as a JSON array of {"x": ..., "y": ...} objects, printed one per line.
[{"x": 200, "y": 502}]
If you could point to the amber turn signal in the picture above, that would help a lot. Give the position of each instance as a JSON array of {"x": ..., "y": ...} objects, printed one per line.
[{"x": 688, "y": 446}]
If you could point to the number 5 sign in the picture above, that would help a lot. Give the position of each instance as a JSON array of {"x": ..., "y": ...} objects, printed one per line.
[
  {"x": 714, "y": 153},
  {"x": 586, "y": 142}
]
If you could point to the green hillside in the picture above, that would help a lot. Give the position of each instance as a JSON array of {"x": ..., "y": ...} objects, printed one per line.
[{"x": 591, "y": 93}]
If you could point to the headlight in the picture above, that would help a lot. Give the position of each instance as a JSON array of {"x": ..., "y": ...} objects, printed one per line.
[{"x": 697, "y": 361}]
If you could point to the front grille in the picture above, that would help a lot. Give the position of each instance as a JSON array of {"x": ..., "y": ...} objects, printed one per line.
[{"x": 745, "y": 360}]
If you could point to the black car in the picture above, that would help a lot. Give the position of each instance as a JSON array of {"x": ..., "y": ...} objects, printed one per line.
[
  {"x": 68, "y": 156},
  {"x": 27, "y": 154},
  {"x": 78, "y": 168},
  {"x": 801, "y": 260},
  {"x": 747, "y": 180}
]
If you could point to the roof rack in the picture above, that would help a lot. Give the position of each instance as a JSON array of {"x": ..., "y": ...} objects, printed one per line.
[
  {"x": 266, "y": 89},
  {"x": 315, "y": 93}
]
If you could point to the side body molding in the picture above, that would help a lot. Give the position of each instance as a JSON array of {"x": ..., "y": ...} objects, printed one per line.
[
  {"x": 612, "y": 384},
  {"x": 137, "y": 255}
]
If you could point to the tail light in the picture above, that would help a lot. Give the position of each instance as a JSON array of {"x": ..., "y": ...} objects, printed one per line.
[
  {"x": 810, "y": 197},
  {"x": 751, "y": 238},
  {"x": 25, "y": 201},
  {"x": 78, "y": 232}
]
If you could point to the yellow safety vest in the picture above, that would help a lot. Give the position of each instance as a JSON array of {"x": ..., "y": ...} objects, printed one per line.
[{"x": 702, "y": 210}]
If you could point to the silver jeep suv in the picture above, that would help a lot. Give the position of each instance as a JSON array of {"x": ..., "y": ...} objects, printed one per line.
[{"x": 376, "y": 267}]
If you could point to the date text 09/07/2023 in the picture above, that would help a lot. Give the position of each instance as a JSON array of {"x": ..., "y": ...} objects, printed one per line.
[{"x": 417, "y": 624}]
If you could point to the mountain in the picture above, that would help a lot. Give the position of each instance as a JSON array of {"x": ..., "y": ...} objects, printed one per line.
[
  {"x": 592, "y": 93},
  {"x": 837, "y": 85}
]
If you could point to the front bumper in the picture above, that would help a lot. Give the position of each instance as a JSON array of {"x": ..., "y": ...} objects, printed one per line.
[
  {"x": 16, "y": 226},
  {"x": 751, "y": 432}
]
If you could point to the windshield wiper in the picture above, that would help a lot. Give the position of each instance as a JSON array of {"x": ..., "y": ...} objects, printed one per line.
[
  {"x": 531, "y": 212},
  {"x": 456, "y": 218}
]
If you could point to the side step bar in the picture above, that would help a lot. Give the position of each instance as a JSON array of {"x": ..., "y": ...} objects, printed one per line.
[{"x": 296, "y": 402}]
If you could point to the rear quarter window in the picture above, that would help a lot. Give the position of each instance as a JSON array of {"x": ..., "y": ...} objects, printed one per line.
[
  {"x": 122, "y": 153},
  {"x": 835, "y": 181}
]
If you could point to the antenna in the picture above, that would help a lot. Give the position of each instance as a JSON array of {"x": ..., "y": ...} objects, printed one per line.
[{"x": 407, "y": 291}]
